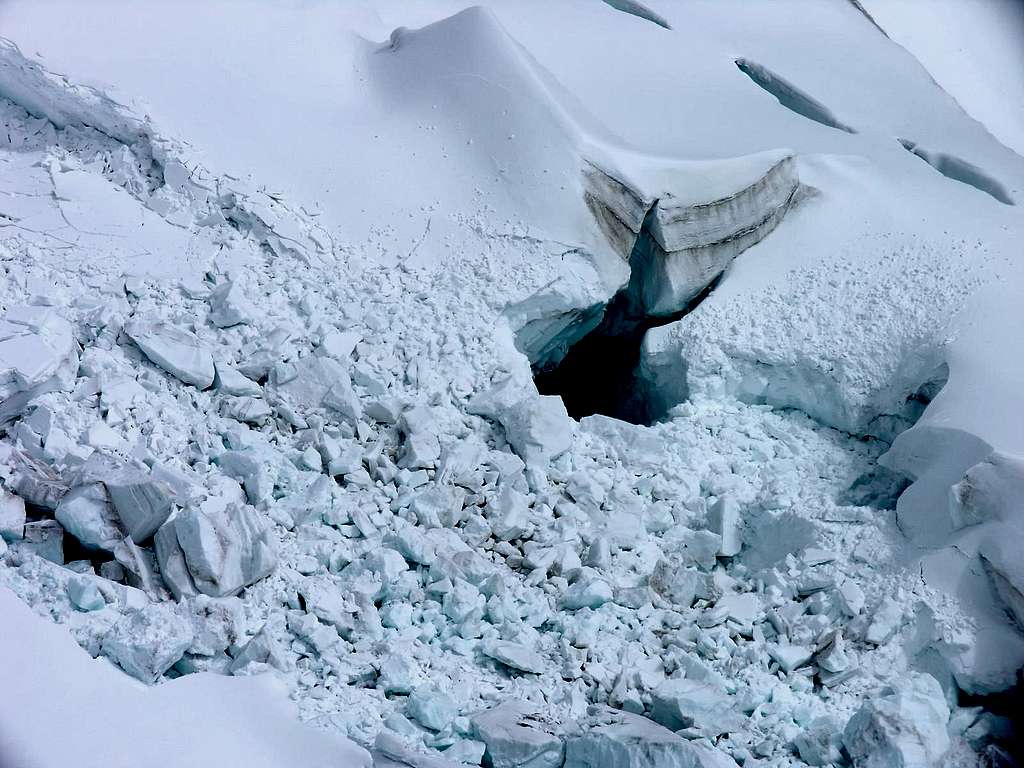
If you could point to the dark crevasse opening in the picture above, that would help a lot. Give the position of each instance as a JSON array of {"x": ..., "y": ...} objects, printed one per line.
[{"x": 598, "y": 374}]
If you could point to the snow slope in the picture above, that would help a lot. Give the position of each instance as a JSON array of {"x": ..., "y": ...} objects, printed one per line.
[
  {"x": 195, "y": 720},
  {"x": 973, "y": 50}
]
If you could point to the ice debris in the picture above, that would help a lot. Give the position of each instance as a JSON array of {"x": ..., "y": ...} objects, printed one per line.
[{"x": 904, "y": 726}]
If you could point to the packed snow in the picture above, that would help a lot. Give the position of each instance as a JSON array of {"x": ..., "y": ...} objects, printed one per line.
[{"x": 276, "y": 284}]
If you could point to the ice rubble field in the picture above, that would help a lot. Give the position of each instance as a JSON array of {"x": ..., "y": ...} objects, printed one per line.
[{"x": 276, "y": 282}]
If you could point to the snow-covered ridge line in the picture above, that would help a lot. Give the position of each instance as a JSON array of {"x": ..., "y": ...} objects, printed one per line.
[{"x": 181, "y": 191}]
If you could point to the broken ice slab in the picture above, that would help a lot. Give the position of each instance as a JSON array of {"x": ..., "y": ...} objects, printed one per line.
[
  {"x": 147, "y": 642},
  {"x": 230, "y": 306},
  {"x": 514, "y": 656},
  {"x": 37, "y": 354},
  {"x": 44, "y": 538},
  {"x": 12, "y": 515},
  {"x": 516, "y": 736},
  {"x": 86, "y": 513},
  {"x": 684, "y": 703},
  {"x": 223, "y": 549},
  {"x": 142, "y": 502},
  {"x": 177, "y": 351},
  {"x": 432, "y": 708},
  {"x": 608, "y": 737},
  {"x": 905, "y": 725},
  {"x": 537, "y": 427}
]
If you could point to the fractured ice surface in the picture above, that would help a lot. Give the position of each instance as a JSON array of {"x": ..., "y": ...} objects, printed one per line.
[{"x": 366, "y": 497}]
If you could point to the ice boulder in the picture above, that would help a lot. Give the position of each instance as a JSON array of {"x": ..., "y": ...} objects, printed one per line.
[
  {"x": 517, "y": 736},
  {"x": 141, "y": 501},
  {"x": 684, "y": 703},
  {"x": 609, "y": 737},
  {"x": 216, "y": 550},
  {"x": 175, "y": 350},
  {"x": 12, "y": 515},
  {"x": 37, "y": 354},
  {"x": 904, "y": 726},
  {"x": 536, "y": 426},
  {"x": 147, "y": 642},
  {"x": 86, "y": 513}
]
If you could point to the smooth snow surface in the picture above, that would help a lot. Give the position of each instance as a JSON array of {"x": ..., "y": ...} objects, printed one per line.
[
  {"x": 973, "y": 51},
  {"x": 276, "y": 283}
]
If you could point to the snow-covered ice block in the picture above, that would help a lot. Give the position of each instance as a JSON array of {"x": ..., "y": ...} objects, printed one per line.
[
  {"x": 611, "y": 738},
  {"x": 514, "y": 655},
  {"x": 990, "y": 490},
  {"x": 147, "y": 642},
  {"x": 682, "y": 235},
  {"x": 176, "y": 350},
  {"x": 904, "y": 726},
  {"x": 517, "y": 736},
  {"x": 231, "y": 381},
  {"x": 537, "y": 426},
  {"x": 223, "y": 549},
  {"x": 229, "y": 305},
  {"x": 37, "y": 354}
]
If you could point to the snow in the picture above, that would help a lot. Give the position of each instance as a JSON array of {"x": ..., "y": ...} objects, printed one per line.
[
  {"x": 972, "y": 50},
  {"x": 224, "y": 720},
  {"x": 266, "y": 357}
]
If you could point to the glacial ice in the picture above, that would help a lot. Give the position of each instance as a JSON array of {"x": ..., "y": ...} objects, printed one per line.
[
  {"x": 398, "y": 520},
  {"x": 904, "y": 726}
]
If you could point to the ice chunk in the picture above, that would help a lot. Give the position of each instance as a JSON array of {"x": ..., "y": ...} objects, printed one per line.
[
  {"x": 884, "y": 623},
  {"x": 46, "y": 539},
  {"x": 903, "y": 727},
  {"x": 789, "y": 657},
  {"x": 431, "y": 708},
  {"x": 147, "y": 642},
  {"x": 819, "y": 743},
  {"x": 142, "y": 502},
  {"x": 615, "y": 738},
  {"x": 177, "y": 351},
  {"x": 724, "y": 519},
  {"x": 516, "y": 736},
  {"x": 12, "y": 515},
  {"x": 537, "y": 426},
  {"x": 230, "y": 306},
  {"x": 37, "y": 355},
  {"x": 587, "y": 593},
  {"x": 231, "y": 381},
  {"x": 86, "y": 513},
  {"x": 223, "y": 549},
  {"x": 684, "y": 703},
  {"x": 84, "y": 593},
  {"x": 514, "y": 655}
]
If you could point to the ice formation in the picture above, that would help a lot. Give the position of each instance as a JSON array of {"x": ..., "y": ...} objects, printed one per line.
[{"x": 281, "y": 433}]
